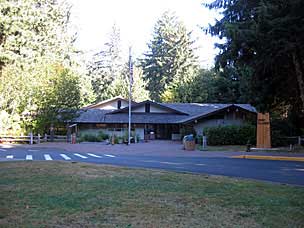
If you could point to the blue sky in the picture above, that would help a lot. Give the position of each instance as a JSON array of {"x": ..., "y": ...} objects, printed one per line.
[{"x": 93, "y": 19}]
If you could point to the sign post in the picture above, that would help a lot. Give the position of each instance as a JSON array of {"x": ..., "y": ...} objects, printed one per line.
[{"x": 263, "y": 131}]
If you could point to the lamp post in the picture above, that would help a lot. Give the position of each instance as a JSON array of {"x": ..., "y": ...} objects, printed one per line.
[{"x": 130, "y": 93}]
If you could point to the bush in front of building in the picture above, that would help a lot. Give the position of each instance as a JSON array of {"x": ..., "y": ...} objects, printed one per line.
[
  {"x": 102, "y": 136},
  {"x": 231, "y": 135},
  {"x": 89, "y": 137}
]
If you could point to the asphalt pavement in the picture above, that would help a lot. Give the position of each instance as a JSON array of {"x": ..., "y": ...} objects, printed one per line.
[{"x": 286, "y": 172}]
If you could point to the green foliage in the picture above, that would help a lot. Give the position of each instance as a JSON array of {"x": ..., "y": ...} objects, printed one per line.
[
  {"x": 31, "y": 29},
  {"x": 120, "y": 85},
  {"x": 102, "y": 136},
  {"x": 89, "y": 137},
  {"x": 211, "y": 86},
  {"x": 170, "y": 61},
  {"x": 268, "y": 38},
  {"x": 34, "y": 41},
  {"x": 231, "y": 135},
  {"x": 106, "y": 65},
  {"x": 57, "y": 98},
  {"x": 281, "y": 130},
  {"x": 110, "y": 74}
]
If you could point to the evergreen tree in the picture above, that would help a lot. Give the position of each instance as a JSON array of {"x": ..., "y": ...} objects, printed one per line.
[
  {"x": 33, "y": 36},
  {"x": 120, "y": 85},
  {"x": 170, "y": 60},
  {"x": 267, "y": 39},
  {"x": 106, "y": 66}
]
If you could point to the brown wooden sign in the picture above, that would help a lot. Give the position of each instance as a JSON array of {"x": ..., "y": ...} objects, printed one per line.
[{"x": 263, "y": 131}]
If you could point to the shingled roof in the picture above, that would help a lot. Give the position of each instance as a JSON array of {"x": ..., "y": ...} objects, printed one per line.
[{"x": 191, "y": 112}]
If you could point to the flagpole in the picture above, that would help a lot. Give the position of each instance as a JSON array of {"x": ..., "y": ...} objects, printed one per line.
[{"x": 130, "y": 93}]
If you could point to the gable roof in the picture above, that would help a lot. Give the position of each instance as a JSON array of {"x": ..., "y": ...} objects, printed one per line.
[
  {"x": 107, "y": 101},
  {"x": 91, "y": 116},
  {"x": 198, "y": 110},
  {"x": 160, "y": 105},
  {"x": 180, "y": 113}
]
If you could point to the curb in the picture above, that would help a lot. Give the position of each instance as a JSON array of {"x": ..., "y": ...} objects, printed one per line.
[{"x": 275, "y": 158}]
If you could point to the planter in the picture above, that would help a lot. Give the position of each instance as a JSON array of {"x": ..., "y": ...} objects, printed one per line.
[{"x": 189, "y": 145}]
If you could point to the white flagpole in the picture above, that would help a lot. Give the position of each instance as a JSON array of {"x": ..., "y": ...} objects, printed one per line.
[{"x": 130, "y": 93}]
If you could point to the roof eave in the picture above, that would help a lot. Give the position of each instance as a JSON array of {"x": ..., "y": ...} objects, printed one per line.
[{"x": 214, "y": 112}]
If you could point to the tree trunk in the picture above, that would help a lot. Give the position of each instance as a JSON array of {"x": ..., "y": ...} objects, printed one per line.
[{"x": 299, "y": 74}]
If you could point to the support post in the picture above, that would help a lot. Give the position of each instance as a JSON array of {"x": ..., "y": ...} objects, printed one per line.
[
  {"x": 69, "y": 134},
  {"x": 31, "y": 138},
  {"x": 52, "y": 133},
  {"x": 38, "y": 140}
]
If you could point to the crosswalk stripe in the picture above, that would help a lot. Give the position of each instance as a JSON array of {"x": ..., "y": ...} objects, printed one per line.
[
  {"x": 48, "y": 157},
  {"x": 65, "y": 157},
  {"x": 81, "y": 156},
  {"x": 109, "y": 155},
  {"x": 200, "y": 164},
  {"x": 29, "y": 157},
  {"x": 94, "y": 155},
  {"x": 3, "y": 150},
  {"x": 10, "y": 156}
]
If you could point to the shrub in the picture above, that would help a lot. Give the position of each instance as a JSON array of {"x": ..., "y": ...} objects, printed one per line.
[
  {"x": 93, "y": 138},
  {"x": 102, "y": 136},
  {"x": 231, "y": 135}
]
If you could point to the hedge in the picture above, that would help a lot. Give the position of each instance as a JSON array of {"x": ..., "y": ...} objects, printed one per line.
[
  {"x": 231, "y": 135},
  {"x": 93, "y": 137}
]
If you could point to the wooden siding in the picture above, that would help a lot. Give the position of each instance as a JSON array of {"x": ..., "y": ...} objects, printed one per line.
[{"x": 263, "y": 131}]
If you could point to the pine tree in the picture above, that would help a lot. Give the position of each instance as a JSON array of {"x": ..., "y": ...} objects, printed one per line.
[
  {"x": 266, "y": 37},
  {"x": 33, "y": 37},
  {"x": 106, "y": 66},
  {"x": 120, "y": 85},
  {"x": 170, "y": 60}
]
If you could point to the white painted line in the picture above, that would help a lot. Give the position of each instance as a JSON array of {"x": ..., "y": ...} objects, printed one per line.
[
  {"x": 200, "y": 164},
  {"x": 3, "y": 150},
  {"x": 81, "y": 156},
  {"x": 109, "y": 155},
  {"x": 29, "y": 157},
  {"x": 30, "y": 150},
  {"x": 302, "y": 170},
  {"x": 170, "y": 163},
  {"x": 94, "y": 155},
  {"x": 10, "y": 156},
  {"x": 7, "y": 146},
  {"x": 48, "y": 157},
  {"x": 65, "y": 157},
  {"x": 150, "y": 161}
]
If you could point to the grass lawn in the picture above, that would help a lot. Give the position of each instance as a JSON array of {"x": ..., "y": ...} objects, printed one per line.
[
  {"x": 241, "y": 148},
  {"x": 60, "y": 194},
  {"x": 230, "y": 148}
]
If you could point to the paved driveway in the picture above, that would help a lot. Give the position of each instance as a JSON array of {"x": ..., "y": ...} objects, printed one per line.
[{"x": 168, "y": 156}]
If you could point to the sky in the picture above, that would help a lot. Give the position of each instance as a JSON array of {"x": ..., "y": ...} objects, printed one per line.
[{"x": 93, "y": 20}]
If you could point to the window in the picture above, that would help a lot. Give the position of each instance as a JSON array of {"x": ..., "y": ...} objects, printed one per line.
[
  {"x": 147, "y": 107},
  {"x": 118, "y": 104}
]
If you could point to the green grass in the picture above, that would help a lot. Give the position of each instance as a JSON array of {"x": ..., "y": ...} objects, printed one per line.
[
  {"x": 228, "y": 148},
  {"x": 59, "y": 194},
  {"x": 241, "y": 148}
]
